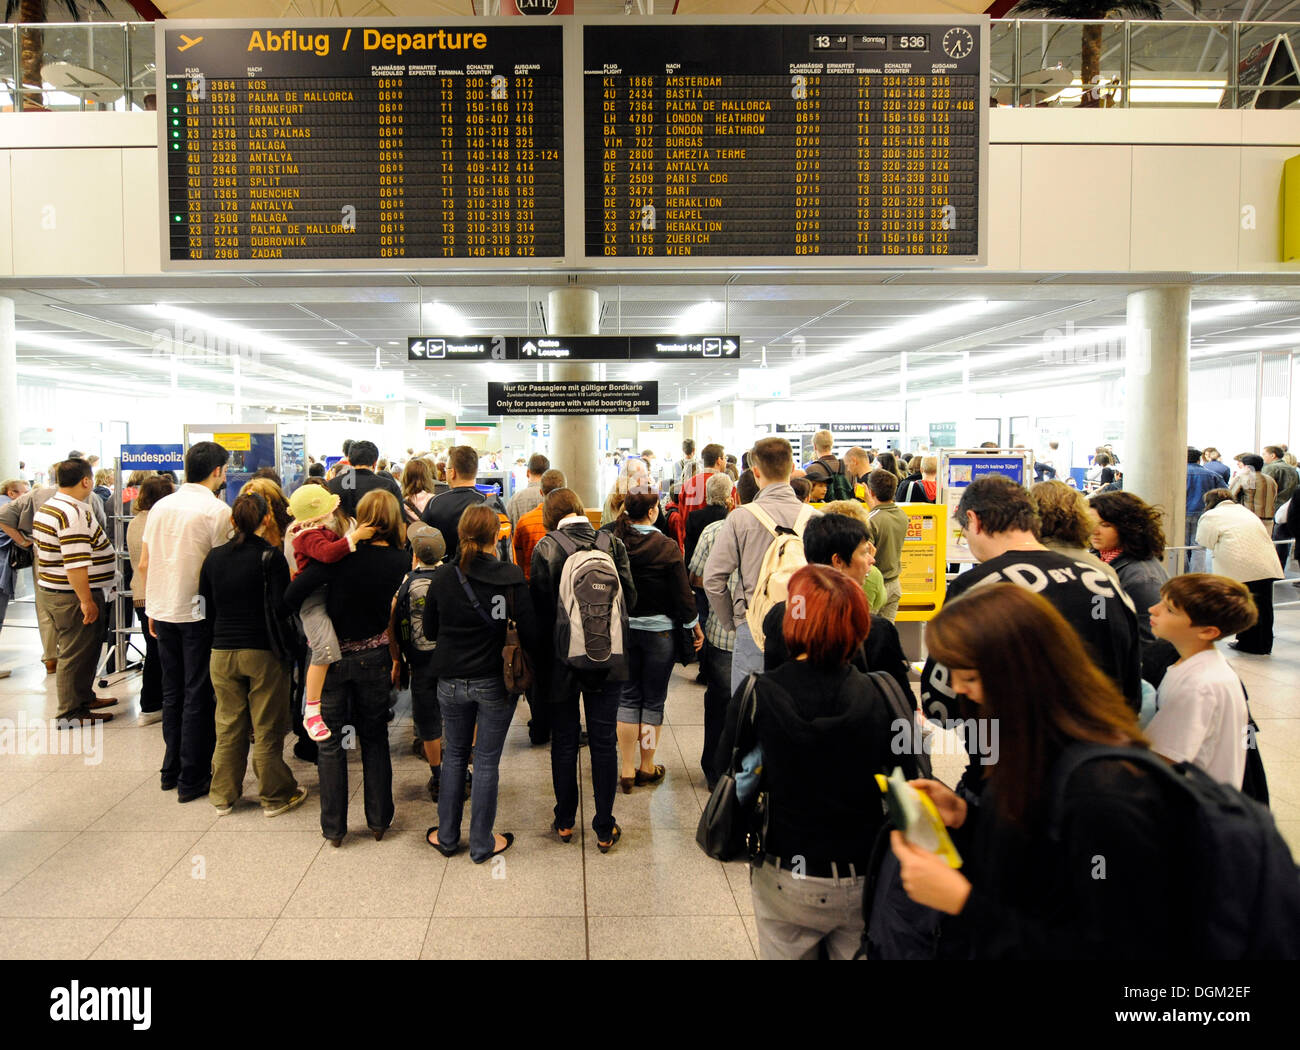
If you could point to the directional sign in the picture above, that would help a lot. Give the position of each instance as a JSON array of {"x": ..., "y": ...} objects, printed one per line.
[
  {"x": 444, "y": 348},
  {"x": 684, "y": 347},
  {"x": 573, "y": 348}
]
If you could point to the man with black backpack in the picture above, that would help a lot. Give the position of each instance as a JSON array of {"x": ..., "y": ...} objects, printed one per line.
[
  {"x": 581, "y": 586},
  {"x": 827, "y": 469}
]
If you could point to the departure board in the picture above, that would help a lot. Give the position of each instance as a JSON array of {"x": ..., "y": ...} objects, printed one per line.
[
  {"x": 784, "y": 141},
  {"x": 350, "y": 144}
]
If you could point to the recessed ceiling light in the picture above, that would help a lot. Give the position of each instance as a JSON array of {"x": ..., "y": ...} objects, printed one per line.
[{"x": 341, "y": 342}]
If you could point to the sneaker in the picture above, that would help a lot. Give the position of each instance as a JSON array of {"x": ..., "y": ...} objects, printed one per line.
[
  {"x": 223, "y": 810},
  {"x": 299, "y": 797},
  {"x": 148, "y": 718}
]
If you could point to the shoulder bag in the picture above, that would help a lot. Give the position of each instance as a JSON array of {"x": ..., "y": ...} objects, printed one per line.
[
  {"x": 516, "y": 666},
  {"x": 724, "y": 828}
]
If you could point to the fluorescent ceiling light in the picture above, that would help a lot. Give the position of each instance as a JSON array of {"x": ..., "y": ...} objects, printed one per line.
[
  {"x": 242, "y": 337},
  {"x": 698, "y": 317},
  {"x": 445, "y": 320}
]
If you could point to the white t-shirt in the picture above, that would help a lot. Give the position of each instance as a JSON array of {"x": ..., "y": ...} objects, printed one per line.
[{"x": 1201, "y": 717}]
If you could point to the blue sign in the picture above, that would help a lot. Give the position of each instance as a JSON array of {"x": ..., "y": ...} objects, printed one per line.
[
  {"x": 962, "y": 470},
  {"x": 152, "y": 457}
]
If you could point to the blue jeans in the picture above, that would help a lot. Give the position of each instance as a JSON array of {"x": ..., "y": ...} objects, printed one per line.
[
  {"x": 356, "y": 693},
  {"x": 189, "y": 706},
  {"x": 747, "y": 658},
  {"x": 465, "y": 701},
  {"x": 650, "y": 665}
]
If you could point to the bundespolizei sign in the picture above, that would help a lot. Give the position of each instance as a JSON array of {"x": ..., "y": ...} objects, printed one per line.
[{"x": 152, "y": 457}]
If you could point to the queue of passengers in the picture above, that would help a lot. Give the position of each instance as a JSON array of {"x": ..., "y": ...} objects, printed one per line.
[{"x": 304, "y": 611}]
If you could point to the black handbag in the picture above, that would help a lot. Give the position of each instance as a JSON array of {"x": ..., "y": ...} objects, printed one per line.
[
  {"x": 723, "y": 832},
  {"x": 288, "y": 639},
  {"x": 20, "y": 557}
]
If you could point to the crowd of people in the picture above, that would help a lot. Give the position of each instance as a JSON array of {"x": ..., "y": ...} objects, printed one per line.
[{"x": 306, "y": 612}]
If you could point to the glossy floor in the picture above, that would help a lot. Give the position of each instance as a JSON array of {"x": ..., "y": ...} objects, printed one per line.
[{"x": 97, "y": 862}]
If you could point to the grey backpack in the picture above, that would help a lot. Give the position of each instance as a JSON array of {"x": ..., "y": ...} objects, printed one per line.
[{"x": 591, "y": 613}]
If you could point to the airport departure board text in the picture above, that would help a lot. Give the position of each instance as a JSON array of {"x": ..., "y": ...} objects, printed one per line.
[
  {"x": 383, "y": 145},
  {"x": 787, "y": 141}
]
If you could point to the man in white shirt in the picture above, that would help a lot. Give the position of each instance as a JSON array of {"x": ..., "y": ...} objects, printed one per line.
[
  {"x": 182, "y": 528},
  {"x": 74, "y": 566},
  {"x": 1201, "y": 714}
]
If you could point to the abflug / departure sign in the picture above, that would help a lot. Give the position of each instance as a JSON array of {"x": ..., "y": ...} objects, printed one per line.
[
  {"x": 386, "y": 144},
  {"x": 784, "y": 141}
]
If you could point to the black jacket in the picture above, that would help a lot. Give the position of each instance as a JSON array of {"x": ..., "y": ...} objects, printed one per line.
[
  {"x": 443, "y": 513},
  {"x": 882, "y": 650},
  {"x": 1032, "y": 899},
  {"x": 1142, "y": 581},
  {"x": 697, "y": 521},
  {"x": 658, "y": 573},
  {"x": 825, "y": 733},
  {"x": 234, "y": 586},
  {"x": 352, "y": 484},
  {"x": 544, "y": 579},
  {"x": 361, "y": 589},
  {"x": 468, "y": 647}
]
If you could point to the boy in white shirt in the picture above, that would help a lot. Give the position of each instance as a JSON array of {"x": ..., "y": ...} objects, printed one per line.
[{"x": 1201, "y": 712}]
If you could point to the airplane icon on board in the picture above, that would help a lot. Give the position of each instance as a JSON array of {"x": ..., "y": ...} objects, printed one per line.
[{"x": 189, "y": 42}]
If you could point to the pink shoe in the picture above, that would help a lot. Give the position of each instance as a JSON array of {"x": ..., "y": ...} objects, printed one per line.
[{"x": 315, "y": 725}]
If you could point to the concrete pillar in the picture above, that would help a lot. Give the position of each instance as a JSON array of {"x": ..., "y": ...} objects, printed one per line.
[
  {"x": 1155, "y": 405},
  {"x": 575, "y": 311},
  {"x": 8, "y": 392}
]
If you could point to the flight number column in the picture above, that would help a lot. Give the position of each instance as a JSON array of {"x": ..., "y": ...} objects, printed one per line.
[
  {"x": 194, "y": 167},
  {"x": 224, "y": 156},
  {"x": 392, "y": 168},
  {"x": 642, "y": 216}
]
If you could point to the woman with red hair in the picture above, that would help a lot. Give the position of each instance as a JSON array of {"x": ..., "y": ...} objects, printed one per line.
[{"x": 824, "y": 729}]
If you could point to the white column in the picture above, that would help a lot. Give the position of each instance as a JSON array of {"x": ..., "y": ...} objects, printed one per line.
[
  {"x": 1155, "y": 402},
  {"x": 575, "y": 311},
  {"x": 8, "y": 392}
]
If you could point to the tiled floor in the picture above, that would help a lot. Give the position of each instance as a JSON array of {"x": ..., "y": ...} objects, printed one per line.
[{"x": 97, "y": 862}]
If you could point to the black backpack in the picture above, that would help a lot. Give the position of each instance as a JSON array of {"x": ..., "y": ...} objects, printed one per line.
[{"x": 1239, "y": 868}]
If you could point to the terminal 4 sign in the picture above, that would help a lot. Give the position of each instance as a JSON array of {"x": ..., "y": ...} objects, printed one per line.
[{"x": 444, "y": 348}]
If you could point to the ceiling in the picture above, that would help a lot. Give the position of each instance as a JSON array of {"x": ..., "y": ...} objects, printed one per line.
[{"x": 301, "y": 340}]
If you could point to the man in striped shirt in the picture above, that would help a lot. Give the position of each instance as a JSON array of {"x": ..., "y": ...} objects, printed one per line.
[{"x": 74, "y": 567}]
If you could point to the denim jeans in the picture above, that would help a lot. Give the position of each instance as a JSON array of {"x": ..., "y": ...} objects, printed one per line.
[
  {"x": 1195, "y": 560},
  {"x": 746, "y": 659},
  {"x": 356, "y": 694},
  {"x": 465, "y": 701},
  {"x": 717, "y": 695},
  {"x": 188, "y": 703},
  {"x": 650, "y": 664},
  {"x": 601, "y": 703}
]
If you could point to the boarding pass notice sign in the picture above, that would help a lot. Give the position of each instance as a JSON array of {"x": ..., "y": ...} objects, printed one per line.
[{"x": 573, "y": 399}]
